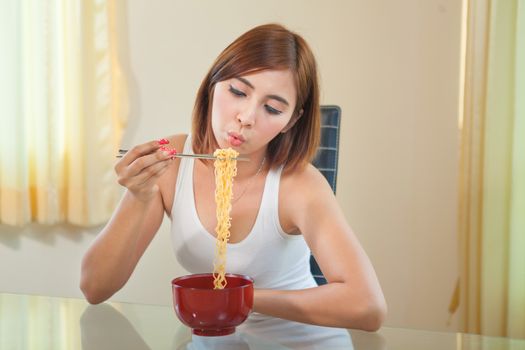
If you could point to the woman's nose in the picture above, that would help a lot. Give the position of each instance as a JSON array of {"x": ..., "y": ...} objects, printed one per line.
[{"x": 247, "y": 117}]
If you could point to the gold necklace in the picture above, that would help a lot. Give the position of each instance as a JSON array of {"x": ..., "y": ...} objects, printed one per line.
[{"x": 250, "y": 182}]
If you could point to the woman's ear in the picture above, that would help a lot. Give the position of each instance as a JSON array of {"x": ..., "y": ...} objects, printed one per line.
[{"x": 292, "y": 121}]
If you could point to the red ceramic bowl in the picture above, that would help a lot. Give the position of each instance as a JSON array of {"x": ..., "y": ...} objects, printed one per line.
[{"x": 208, "y": 311}]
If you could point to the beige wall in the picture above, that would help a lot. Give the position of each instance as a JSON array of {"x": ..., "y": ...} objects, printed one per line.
[{"x": 392, "y": 66}]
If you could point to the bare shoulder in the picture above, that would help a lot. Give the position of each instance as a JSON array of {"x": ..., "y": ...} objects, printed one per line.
[
  {"x": 299, "y": 189},
  {"x": 305, "y": 182},
  {"x": 177, "y": 141}
]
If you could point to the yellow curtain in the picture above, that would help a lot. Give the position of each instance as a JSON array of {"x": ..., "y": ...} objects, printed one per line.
[
  {"x": 63, "y": 108},
  {"x": 492, "y": 178}
]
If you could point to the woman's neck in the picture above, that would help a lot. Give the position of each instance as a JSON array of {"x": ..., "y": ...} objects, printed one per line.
[{"x": 251, "y": 168}]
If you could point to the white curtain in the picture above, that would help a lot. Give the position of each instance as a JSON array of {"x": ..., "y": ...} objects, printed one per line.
[{"x": 63, "y": 107}]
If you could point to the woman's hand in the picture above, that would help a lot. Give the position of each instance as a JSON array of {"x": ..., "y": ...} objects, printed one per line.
[{"x": 140, "y": 168}]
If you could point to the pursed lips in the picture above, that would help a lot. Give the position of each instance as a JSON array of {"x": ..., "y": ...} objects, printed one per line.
[{"x": 235, "y": 139}]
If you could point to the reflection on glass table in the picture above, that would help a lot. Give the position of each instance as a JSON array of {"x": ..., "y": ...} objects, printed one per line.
[
  {"x": 40, "y": 322},
  {"x": 102, "y": 326}
]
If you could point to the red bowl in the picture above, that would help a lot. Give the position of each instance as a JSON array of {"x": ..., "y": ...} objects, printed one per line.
[{"x": 208, "y": 311}]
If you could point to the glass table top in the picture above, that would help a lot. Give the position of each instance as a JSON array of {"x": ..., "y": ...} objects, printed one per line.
[{"x": 40, "y": 322}]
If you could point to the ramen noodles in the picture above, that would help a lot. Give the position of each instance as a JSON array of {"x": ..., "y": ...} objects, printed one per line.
[{"x": 225, "y": 169}]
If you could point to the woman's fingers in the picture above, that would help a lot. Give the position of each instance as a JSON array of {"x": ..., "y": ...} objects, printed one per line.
[
  {"x": 139, "y": 151},
  {"x": 141, "y": 166},
  {"x": 140, "y": 157},
  {"x": 144, "y": 185},
  {"x": 144, "y": 162},
  {"x": 152, "y": 171},
  {"x": 152, "y": 180}
]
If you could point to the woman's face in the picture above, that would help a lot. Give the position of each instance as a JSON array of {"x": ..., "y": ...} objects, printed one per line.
[{"x": 250, "y": 110}]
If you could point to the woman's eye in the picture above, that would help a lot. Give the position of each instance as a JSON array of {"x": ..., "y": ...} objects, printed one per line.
[
  {"x": 272, "y": 110},
  {"x": 236, "y": 92}
]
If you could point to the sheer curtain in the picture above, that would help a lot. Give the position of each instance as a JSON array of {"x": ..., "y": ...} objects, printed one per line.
[
  {"x": 63, "y": 107},
  {"x": 492, "y": 182}
]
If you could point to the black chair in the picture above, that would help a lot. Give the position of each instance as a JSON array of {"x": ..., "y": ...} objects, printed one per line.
[{"x": 326, "y": 161}]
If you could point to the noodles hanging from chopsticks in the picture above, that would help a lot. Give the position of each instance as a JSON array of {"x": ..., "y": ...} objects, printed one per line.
[{"x": 225, "y": 169}]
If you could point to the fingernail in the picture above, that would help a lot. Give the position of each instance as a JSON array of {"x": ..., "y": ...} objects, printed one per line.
[
  {"x": 173, "y": 151},
  {"x": 163, "y": 142}
]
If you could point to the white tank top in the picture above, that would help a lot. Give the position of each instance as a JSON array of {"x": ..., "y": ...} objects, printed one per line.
[{"x": 274, "y": 259}]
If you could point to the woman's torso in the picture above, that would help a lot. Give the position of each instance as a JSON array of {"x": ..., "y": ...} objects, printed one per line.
[{"x": 259, "y": 247}]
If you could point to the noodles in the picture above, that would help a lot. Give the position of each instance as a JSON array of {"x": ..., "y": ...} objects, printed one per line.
[{"x": 225, "y": 170}]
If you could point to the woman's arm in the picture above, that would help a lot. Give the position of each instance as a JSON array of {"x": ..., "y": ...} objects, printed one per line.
[
  {"x": 353, "y": 297},
  {"x": 112, "y": 257}
]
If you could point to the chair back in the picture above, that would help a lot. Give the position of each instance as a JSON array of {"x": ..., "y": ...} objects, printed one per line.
[{"x": 326, "y": 160}]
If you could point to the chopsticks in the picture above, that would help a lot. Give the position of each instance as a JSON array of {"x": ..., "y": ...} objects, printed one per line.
[{"x": 180, "y": 155}]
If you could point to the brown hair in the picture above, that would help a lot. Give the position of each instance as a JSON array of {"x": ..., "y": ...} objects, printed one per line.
[{"x": 269, "y": 46}]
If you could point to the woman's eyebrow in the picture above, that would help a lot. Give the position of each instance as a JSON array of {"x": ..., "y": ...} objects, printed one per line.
[
  {"x": 275, "y": 97},
  {"x": 245, "y": 82}
]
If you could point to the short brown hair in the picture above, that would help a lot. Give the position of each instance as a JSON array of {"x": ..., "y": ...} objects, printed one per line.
[{"x": 269, "y": 46}]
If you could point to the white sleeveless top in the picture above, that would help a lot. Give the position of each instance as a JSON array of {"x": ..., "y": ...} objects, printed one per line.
[{"x": 274, "y": 259}]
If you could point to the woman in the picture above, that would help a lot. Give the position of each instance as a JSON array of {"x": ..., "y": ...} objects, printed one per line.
[{"x": 261, "y": 98}]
